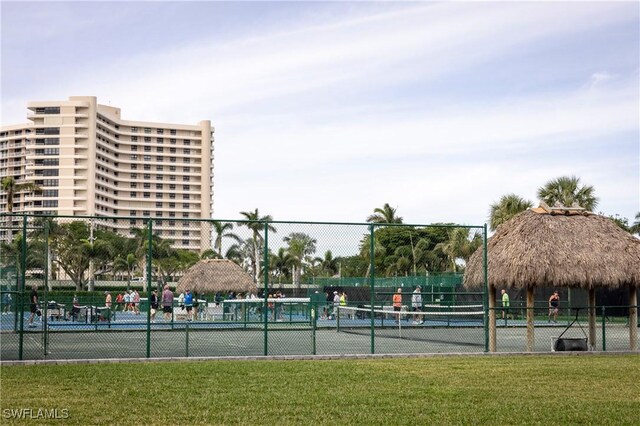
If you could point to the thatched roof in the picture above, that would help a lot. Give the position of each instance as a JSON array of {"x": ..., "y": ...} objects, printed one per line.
[
  {"x": 212, "y": 275},
  {"x": 558, "y": 248}
]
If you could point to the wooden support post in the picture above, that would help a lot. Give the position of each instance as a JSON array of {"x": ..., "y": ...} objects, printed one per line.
[
  {"x": 592, "y": 319},
  {"x": 492, "y": 318},
  {"x": 530, "y": 319},
  {"x": 633, "y": 318}
]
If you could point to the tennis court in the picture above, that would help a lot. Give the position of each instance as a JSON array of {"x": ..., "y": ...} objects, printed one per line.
[{"x": 127, "y": 336}]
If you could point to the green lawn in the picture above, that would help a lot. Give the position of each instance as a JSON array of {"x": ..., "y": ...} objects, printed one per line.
[{"x": 544, "y": 389}]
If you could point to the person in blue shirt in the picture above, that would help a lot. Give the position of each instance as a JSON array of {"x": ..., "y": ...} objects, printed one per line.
[{"x": 188, "y": 304}]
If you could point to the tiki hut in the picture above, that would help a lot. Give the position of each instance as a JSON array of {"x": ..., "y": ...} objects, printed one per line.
[
  {"x": 558, "y": 247},
  {"x": 213, "y": 275}
]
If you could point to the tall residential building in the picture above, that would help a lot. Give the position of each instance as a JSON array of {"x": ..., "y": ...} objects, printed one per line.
[{"x": 87, "y": 160}]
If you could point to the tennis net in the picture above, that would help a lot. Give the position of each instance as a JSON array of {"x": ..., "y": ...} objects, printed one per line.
[{"x": 463, "y": 324}]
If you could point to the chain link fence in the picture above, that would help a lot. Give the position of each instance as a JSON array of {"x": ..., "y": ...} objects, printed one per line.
[{"x": 136, "y": 287}]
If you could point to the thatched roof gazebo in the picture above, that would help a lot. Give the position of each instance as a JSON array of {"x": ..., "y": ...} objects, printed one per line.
[
  {"x": 213, "y": 275},
  {"x": 558, "y": 247}
]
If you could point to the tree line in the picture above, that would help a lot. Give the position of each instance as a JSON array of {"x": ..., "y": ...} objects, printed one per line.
[{"x": 74, "y": 250}]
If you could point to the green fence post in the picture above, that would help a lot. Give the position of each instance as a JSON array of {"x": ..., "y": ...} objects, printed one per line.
[
  {"x": 372, "y": 281},
  {"x": 45, "y": 331},
  {"x": 148, "y": 278},
  {"x": 266, "y": 287},
  {"x": 314, "y": 324},
  {"x": 486, "y": 288},
  {"x": 604, "y": 328},
  {"x": 187, "y": 338},
  {"x": 23, "y": 268}
]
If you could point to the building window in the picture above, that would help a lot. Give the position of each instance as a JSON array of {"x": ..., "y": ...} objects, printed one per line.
[
  {"x": 160, "y": 131},
  {"x": 185, "y": 196},
  {"x": 132, "y": 194},
  {"x": 147, "y": 158},
  {"x": 147, "y": 185},
  {"x": 173, "y": 131},
  {"x": 147, "y": 176},
  {"x": 147, "y": 149},
  {"x": 134, "y": 185},
  {"x": 158, "y": 204},
  {"x": 185, "y": 205},
  {"x": 134, "y": 139},
  {"x": 186, "y": 169},
  {"x": 134, "y": 167},
  {"x": 147, "y": 166},
  {"x": 134, "y": 157},
  {"x": 159, "y": 195},
  {"x": 48, "y": 110},
  {"x": 147, "y": 195},
  {"x": 134, "y": 176},
  {"x": 172, "y": 196},
  {"x": 147, "y": 130},
  {"x": 134, "y": 130}
]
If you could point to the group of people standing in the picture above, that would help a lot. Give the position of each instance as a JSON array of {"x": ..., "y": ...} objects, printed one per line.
[
  {"x": 554, "y": 306},
  {"x": 129, "y": 301}
]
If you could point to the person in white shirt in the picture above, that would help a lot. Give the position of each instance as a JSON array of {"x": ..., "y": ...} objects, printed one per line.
[{"x": 416, "y": 304}]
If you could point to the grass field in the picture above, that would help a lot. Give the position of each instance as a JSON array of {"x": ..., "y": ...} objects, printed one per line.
[{"x": 544, "y": 389}]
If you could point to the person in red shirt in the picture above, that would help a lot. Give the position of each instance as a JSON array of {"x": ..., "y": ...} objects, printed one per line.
[{"x": 397, "y": 303}]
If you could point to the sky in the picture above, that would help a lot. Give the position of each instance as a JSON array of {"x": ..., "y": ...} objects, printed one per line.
[{"x": 324, "y": 111}]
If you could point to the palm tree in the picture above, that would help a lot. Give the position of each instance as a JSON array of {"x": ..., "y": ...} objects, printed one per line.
[
  {"x": 330, "y": 264},
  {"x": 386, "y": 214},
  {"x": 300, "y": 246},
  {"x": 567, "y": 191},
  {"x": 459, "y": 246},
  {"x": 635, "y": 228},
  {"x": 279, "y": 264},
  {"x": 256, "y": 224},
  {"x": 210, "y": 254},
  {"x": 508, "y": 206},
  {"x": 128, "y": 264},
  {"x": 222, "y": 230},
  {"x": 10, "y": 186}
]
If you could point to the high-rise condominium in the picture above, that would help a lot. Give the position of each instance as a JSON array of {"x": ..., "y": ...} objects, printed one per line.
[{"x": 87, "y": 160}]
